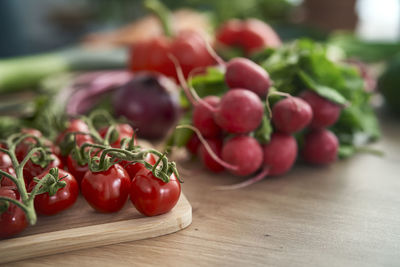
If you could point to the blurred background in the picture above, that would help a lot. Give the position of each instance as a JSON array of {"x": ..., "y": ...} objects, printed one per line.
[
  {"x": 41, "y": 25},
  {"x": 67, "y": 36}
]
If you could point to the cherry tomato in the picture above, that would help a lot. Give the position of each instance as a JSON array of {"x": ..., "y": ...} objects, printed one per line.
[
  {"x": 106, "y": 191},
  {"x": 6, "y": 181},
  {"x": 26, "y": 145},
  {"x": 62, "y": 200},
  {"x": 76, "y": 125},
  {"x": 134, "y": 168},
  {"x": 13, "y": 220},
  {"x": 124, "y": 131},
  {"x": 32, "y": 170},
  {"x": 6, "y": 166},
  {"x": 5, "y": 160},
  {"x": 151, "y": 196},
  {"x": 32, "y": 131},
  {"x": 75, "y": 169}
]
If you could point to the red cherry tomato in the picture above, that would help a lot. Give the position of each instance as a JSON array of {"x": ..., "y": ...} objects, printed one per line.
[
  {"x": 75, "y": 169},
  {"x": 6, "y": 166},
  {"x": 106, "y": 191},
  {"x": 32, "y": 131},
  {"x": 76, "y": 125},
  {"x": 32, "y": 170},
  {"x": 6, "y": 181},
  {"x": 26, "y": 145},
  {"x": 151, "y": 196},
  {"x": 124, "y": 131},
  {"x": 5, "y": 160},
  {"x": 134, "y": 168},
  {"x": 187, "y": 46},
  {"x": 13, "y": 220},
  {"x": 62, "y": 200}
]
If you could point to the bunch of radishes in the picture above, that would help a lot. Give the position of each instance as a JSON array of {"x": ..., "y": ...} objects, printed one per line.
[{"x": 225, "y": 125}]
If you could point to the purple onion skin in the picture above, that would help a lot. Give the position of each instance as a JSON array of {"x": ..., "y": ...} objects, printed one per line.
[{"x": 150, "y": 102}]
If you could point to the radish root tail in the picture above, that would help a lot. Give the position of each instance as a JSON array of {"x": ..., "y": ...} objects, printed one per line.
[
  {"x": 189, "y": 92},
  {"x": 245, "y": 183},
  {"x": 208, "y": 148},
  {"x": 214, "y": 55},
  {"x": 182, "y": 80}
]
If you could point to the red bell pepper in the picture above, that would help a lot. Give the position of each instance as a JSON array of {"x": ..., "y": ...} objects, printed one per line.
[
  {"x": 251, "y": 35},
  {"x": 188, "y": 47}
]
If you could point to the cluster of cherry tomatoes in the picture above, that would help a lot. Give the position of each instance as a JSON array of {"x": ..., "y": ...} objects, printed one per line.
[{"x": 106, "y": 190}]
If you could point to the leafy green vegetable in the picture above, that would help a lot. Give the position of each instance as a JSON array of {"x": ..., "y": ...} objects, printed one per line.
[
  {"x": 210, "y": 83},
  {"x": 180, "y": 137},
  {"x": 346, "y": 151},
  {"x": 263, "y": 133},
  {"x": 366, "y": 51},
  {"x": 389, "y": 84},
  {"x": 26, "y": 73},
  {"x": 305, "y": 64},
  {"x": 322, "y": 90}
]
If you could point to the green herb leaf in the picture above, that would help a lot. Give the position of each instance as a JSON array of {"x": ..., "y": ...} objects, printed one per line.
[
  {"x": 322, "y": 90},
  {"x": 180, "y": 137},
  {"x": 210, "y": 83},
  {"x": 264, "y": 131},
  {"x": 305, "y": 64}
]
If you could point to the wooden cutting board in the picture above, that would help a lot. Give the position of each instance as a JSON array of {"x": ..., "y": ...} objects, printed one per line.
[{"x": 81, "y": 227}]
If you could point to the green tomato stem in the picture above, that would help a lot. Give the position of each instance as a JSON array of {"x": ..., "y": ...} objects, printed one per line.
[
  {"x": 27, "y": 204},
  {"x": 15, "y": 202},
  {"x": 163, "y": 14},
  {"x": 9, "y": 176}
]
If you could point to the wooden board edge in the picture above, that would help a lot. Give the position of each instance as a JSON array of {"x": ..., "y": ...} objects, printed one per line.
[{"x": 44, "y": 244}]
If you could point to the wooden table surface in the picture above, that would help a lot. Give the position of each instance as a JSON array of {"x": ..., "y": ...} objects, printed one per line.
[{"x": 347, "y": 214}]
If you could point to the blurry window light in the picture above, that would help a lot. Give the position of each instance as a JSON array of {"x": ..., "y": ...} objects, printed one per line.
[{"x": 378, "y": 20}]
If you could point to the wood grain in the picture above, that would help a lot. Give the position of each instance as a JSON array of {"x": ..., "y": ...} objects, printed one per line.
[
  {"x": 347, "y": 214},
  {"x": 81, "y": 229}
]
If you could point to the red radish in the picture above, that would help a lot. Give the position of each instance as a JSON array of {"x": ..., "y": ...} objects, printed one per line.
[
  {"x": 325, "y": 112},
  {"x": 279, "y": 156},
  {"x": 280, "y": 153},
  {"x": 208, "y": 162},
  {"x": 244, "y": 73},
  {"x": 193, "y": 144},
  {"x": 291, "y": 114},
  {"x": 240, "y": 111},
  {"x": 320, "y": 147},
  {"x": 245, "y": 153},
  {"x": 203, "y": 118}
]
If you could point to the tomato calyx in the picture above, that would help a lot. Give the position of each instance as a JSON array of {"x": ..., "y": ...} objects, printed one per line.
[
  {"x": 101, "y": 157},
  {"x": 50, "y": 183},
  {"x": 163, "y": 14}
]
